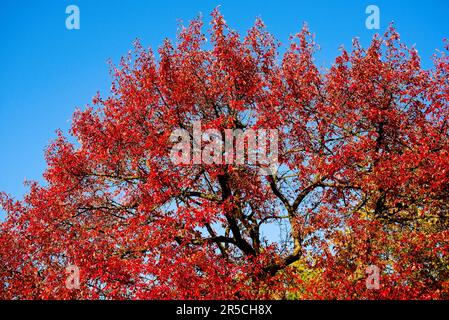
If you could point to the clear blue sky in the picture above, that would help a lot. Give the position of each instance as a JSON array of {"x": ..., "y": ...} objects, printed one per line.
[{"x": 46, "y": 71}]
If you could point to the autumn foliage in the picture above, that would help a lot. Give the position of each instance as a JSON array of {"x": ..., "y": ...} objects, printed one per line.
[{"x": 364, "y": 177}]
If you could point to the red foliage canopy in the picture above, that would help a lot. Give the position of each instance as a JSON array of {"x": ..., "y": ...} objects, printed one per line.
[{"x": 363, "y": 178}]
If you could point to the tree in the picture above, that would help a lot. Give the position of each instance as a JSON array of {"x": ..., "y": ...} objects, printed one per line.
[{"x": 363, "y": 178}]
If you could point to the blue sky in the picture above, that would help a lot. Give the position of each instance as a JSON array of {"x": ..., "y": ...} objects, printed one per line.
[{"x": 47, "y": 71}]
